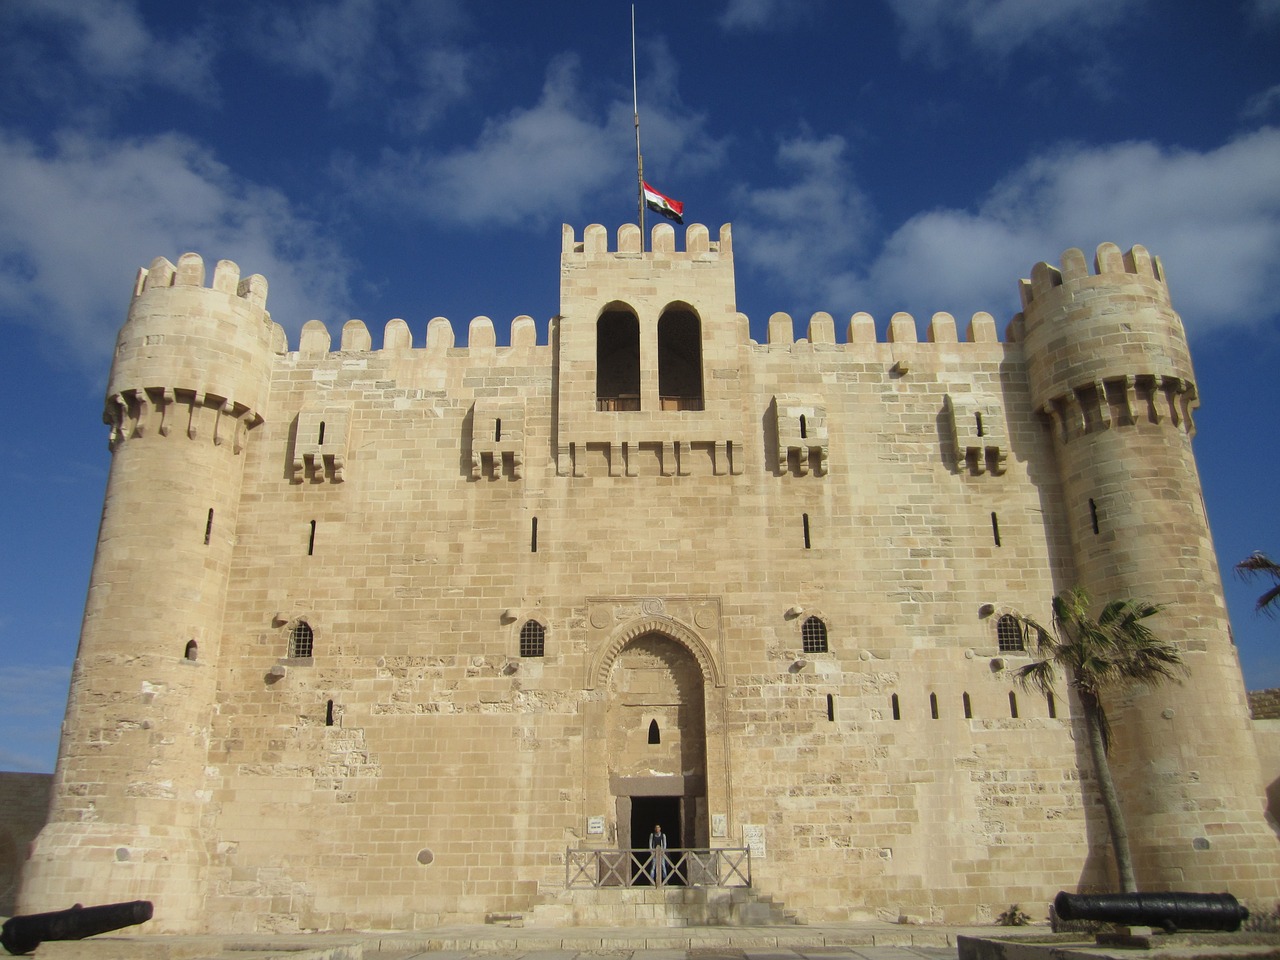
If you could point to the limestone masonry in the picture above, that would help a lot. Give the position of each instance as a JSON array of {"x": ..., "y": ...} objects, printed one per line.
[{"x": 377, "y": 638}]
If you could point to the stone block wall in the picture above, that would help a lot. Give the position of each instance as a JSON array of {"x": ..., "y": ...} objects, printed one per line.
[{"x": 472, "y": 613}]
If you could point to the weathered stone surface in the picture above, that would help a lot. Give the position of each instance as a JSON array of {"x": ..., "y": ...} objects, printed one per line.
[{"x": 563, "y": 585}]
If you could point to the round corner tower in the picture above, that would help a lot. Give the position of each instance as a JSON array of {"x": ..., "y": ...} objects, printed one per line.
[
  {"x": 1108, "y": 365},
  {"x": 189, "y": 379}
]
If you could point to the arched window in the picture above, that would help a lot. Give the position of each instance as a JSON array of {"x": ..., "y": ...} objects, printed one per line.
[
  {"x": 301, "y": 641},
  {"x": 654, "y": 735},
  {"x": 813, "y": 636},
  {"x": 192, "y": 651},
  {"x": 533, "y": 637},
  {"x": 680, "y": 359},
  {"x": 1010, "y": 636},
  {"x": 618, "y": 360}
]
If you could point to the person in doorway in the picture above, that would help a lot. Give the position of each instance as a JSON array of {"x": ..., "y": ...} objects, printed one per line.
[{"x": 658, "y": 855}]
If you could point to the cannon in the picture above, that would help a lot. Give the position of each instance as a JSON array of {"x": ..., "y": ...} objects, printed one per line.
[
  {"x": 1169, "y": 911},
  {"x": 24, "y": 934}
]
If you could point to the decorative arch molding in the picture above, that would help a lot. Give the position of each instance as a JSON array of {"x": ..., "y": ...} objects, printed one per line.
[{"x": 602, "y": 663}]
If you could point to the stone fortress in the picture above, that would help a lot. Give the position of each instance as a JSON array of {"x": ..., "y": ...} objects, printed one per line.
[{"x": 374, "y": 638}]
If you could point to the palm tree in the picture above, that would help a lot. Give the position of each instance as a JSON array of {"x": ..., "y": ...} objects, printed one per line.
[
  {"x": 1258, "y": 564},
  {"x": 1111, "y": 652}
]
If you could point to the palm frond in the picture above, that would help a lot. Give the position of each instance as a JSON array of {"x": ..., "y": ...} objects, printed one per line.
[
  {"x": 1267, "y": 602},
  {"x": 1039, "y": 675},
  {"x": 1259, "y": 564}
]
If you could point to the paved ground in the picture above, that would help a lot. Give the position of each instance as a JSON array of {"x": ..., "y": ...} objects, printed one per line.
[
  {"x": 693, "y": 953},
  {"x": 853, "y": 941},
  {"x": 824, "y": 942}
]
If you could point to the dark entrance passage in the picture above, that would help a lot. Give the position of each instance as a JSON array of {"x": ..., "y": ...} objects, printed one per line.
[{"x": 645, "y": 813}]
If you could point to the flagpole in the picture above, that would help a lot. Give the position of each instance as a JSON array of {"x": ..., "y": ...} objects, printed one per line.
[{"x": 635, "y": 106}]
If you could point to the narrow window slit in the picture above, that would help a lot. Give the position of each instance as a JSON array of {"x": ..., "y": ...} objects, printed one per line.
[
  {"x": 933, "y": 705},
  {"x": 995, "y": 528},
  {"x": 1013, "y": 705},
  {"x": 320, "y": 438},
  {"x": 831, "y": 708},
  {"x": 968, "y": 707},
  {"x": 1093, "y": 514},
  {"x": 497, "y": 429},
  {"x": 533, "y": 536},
  {"x": 311, "y": 540},
  {"x": 807, "y": 541},
  {"x": 328, "y": 714},
  {"x": 1052, "y": 705},
  {"x": 978, "y": 418},
  {"x": 804, "y": 428},
  {"x": 893, "y": 705},
  {"x": 208, "y": 527}
]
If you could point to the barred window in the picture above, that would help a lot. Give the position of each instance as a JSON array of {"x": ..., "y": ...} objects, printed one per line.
[
  {"x": 301, "y": 640},
  {"x": 813, "y": 636},
  {"x": 533, "y": 636},
  {"x": 1010, "y": 635}
]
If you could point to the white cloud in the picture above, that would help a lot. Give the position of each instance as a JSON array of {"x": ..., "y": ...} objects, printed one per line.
[
  {"x": 402, "y": 55},
  {"x": 1213, "y": 217},
  {"x": 996, "y": 27},
  {"x": 108, "y": 42},
  {"x": 547, "y": 162},
  {"x": 806, "y": 232},
  {"x": 1260, "y": 105},
  {"x": 78, "y": 220},
  {"x": 764, "y": 14},
  {"x": 1266, "y": 12}
]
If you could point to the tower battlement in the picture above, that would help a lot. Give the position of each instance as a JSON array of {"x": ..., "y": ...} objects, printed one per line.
[
  {"x": 697, "y": 243},
  {"x": 1048, "y": 284},
  {"x": 1101, "y": 346},
  {"x": 190, "y": 272}
]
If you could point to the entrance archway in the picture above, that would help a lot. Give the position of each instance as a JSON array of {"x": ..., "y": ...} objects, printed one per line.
[{"x": 656, "y": 742}]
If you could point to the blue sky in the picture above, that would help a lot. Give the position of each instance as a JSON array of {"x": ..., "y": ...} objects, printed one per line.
[{"x": 416, "y": 159}]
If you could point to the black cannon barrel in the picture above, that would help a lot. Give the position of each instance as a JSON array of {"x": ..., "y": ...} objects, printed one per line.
[
  {"x": 24, "y": 934},
  {"x": 1172, "y": 911}
]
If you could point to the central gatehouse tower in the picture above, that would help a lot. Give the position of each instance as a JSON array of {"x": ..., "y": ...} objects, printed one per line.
[{"x": 391, "y": 633}]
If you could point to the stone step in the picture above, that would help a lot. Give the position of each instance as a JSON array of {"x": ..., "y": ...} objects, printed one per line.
[{"x": 661, "y": 906}]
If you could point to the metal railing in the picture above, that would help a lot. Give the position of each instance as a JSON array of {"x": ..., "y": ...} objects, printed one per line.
[
  {"x": 626, "y": 401},
  {"x": 631, "y": 402},
  {"x": 682, "y": 867}
]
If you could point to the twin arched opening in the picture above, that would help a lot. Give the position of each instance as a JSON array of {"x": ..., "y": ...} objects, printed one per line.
[{"x": 623, "y": 358}]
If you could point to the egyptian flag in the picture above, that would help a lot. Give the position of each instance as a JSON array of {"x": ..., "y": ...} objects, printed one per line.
[{"x": 671, "y": 209}]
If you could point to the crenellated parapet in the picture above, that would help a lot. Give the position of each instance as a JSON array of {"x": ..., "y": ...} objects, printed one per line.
[
  {"x": 316, "y": 342},
  {"x": 698, "y": 244},
  {"x": 192, "y": 359},
  {"x": 1105, "y": 348}
]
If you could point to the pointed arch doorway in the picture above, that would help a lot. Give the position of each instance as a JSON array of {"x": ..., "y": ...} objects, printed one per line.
[{"x": 656, "y": 743}]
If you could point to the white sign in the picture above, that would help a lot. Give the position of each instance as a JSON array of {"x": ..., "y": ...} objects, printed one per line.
[
  {"x": 595, "y": 826},
  {"x": 719, "y": 825},
  {"x": 753, "y": 839}
]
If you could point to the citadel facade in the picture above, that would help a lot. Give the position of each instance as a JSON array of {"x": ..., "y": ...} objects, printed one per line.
[{"x": 375, "y": 637}]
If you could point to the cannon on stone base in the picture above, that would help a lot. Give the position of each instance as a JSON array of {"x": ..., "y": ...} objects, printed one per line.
[
  {"x": 24, "y": 934},
  {"x": 1168, "y": 911}
]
